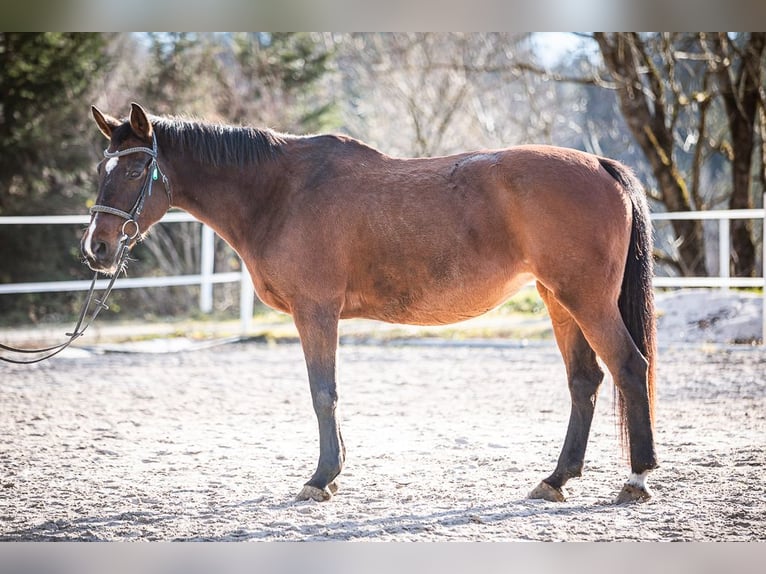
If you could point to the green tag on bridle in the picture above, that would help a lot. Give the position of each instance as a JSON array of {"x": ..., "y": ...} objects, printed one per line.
[{"x": 155, "y": 174}]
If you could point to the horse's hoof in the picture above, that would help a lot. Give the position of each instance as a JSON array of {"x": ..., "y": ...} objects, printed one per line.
[
  {"x": 309, "y": 492},
  {"x": 545, "y": 491},
  {"x": 632, "y": 493}
]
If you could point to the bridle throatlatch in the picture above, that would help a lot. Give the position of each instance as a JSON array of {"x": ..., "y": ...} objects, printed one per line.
[{"x": 121, "y": 256}]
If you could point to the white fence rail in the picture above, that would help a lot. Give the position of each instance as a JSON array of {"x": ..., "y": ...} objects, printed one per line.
[{"x": 207, "y": 277}]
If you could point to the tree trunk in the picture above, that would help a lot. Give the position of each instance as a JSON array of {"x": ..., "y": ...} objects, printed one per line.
[
  {"x": 740, "y": 92},
  {"x": 634, "y": 75}
]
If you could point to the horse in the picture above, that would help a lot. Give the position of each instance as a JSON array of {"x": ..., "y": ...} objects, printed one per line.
[{"x": 330, "y": 228}]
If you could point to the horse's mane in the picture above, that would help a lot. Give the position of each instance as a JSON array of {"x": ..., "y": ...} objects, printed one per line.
[{"x": 219, "y": 144}]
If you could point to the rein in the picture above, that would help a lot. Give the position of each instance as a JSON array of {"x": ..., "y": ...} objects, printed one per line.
[
  {"x": 121, "y": 257},
  {"x": 79, "y": 328}
]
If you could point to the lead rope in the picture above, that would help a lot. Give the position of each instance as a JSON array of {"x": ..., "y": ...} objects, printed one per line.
[
  {"x": 122, "y": 255},
  {"x": 79, "y": 328}
]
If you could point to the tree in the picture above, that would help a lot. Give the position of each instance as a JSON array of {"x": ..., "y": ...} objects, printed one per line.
[
  {"x": 42, "y": 86},
  {"x": 738, "y": 71},
  {"x": 183, "y": 74},
  {"x": 671, "y": 88},
  {"x": 652, "y": 112},
  {"x": 274, "y": 80},
  {"x": 423, "y": 94},
  {"x": 45, "y": 162}
]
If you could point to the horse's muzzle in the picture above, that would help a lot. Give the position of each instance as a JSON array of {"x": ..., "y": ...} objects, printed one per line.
[{"x": 98, "y": 254}]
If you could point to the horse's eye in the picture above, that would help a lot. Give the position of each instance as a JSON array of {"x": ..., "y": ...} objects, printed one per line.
[{"x": 135, "y": 174}]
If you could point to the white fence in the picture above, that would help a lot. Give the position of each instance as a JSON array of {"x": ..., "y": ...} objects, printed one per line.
[{"x": 207, "y": 277}]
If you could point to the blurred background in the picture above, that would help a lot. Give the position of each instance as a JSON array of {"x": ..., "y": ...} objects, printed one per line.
[{"x": 685, "y": 110}]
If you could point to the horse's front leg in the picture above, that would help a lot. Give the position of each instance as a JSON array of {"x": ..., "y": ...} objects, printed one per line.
[{"x": 318, "y": 330}]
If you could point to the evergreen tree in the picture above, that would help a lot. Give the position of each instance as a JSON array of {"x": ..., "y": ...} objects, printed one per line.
[
  {"x": 44, "y": 80},
  {"x": 45, "y": 158}
]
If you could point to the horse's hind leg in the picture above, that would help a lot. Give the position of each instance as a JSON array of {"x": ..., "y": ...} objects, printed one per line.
[
  {"x": 629, "y": 368},
  {"x": 318, "y": 329},
  {"x": 605, "y": 331},
  {"x": 584, "y": 377}
]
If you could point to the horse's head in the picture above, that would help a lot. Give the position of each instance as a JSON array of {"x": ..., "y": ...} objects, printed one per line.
[{"x": 129, "y": 197}]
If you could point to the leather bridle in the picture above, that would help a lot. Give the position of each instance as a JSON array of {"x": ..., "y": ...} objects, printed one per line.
[
  {"x": 121, "y": 255},
  {"x": 152, "y": 175}
]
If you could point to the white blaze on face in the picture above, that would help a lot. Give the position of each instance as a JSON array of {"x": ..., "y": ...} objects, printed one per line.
[
  {"x": 109, "y": 168},
  {"x": 89, "y": 236},
  {"x": 111, "y": 164}
]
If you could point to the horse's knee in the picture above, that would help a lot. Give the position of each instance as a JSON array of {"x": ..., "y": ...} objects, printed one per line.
[{"x": 325, "y": 401}]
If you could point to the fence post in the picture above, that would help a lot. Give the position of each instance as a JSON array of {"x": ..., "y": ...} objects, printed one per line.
[
  {"x": 207, "y": 263},
  {"x": 246, "y": 300},
  {"x": 724, "y": 250}
]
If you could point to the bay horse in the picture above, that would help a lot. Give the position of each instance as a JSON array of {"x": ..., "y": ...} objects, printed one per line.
[{"x": 330, "y": 228}]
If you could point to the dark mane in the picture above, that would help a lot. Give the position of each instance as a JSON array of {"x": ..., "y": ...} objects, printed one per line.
[{"x": 219, "y": 144}]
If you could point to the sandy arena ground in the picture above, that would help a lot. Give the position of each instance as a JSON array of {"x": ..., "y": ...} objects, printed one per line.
[{"x": 444, "y": 441}]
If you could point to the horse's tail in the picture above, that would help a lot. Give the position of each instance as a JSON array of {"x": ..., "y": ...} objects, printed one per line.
[{"x": 636, "y": 300}]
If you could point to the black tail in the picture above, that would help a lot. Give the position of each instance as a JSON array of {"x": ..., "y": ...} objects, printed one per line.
[{"x": 636, "y": 300}]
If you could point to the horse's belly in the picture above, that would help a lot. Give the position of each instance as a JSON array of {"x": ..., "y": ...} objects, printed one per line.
[{"x": 432, "y": 305}]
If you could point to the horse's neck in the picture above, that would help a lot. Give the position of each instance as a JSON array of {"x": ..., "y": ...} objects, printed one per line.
[{"x": 219, "y": 197}]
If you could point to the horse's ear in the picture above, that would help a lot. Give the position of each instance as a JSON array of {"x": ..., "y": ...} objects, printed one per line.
[
  {"x": 106, "y": 123},
  {"x": 139, "y": 122}
]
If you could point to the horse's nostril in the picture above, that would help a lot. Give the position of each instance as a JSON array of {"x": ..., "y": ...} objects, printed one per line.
[{"x": 99, "y": 249}]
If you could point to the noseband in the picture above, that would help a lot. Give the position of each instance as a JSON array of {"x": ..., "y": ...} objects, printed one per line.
[{"x": 146, "y": 190}]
